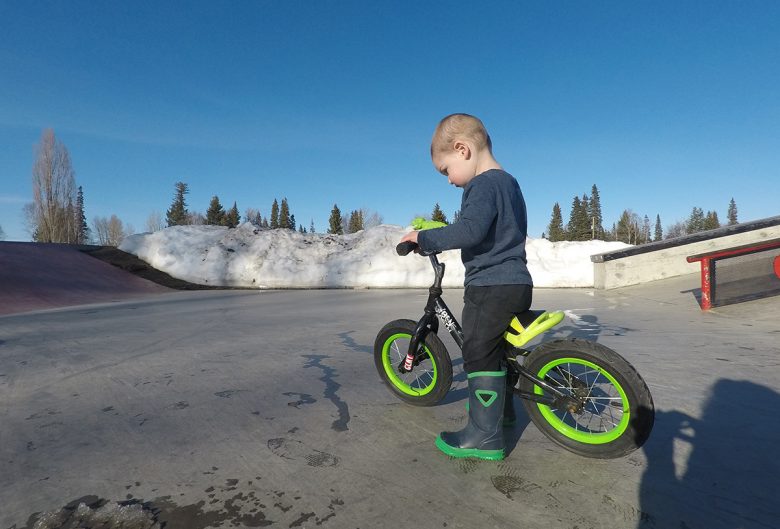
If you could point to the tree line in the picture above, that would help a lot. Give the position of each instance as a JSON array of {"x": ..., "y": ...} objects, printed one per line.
[
  {"x": 56, "y": 213},
  {"x": 355, "y": 221},
  {"x": 586, "y": 223},
  {"x": 280, "y": 216}
]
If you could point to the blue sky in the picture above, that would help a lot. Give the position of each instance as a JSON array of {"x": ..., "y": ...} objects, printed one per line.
[{"x": 664, "y": 105}]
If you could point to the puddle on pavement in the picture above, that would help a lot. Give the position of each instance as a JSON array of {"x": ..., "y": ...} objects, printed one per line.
[{"x": 91, "y": 512}]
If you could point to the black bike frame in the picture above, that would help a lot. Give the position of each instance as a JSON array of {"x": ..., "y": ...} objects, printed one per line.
[{"x": 435, "y": 310}]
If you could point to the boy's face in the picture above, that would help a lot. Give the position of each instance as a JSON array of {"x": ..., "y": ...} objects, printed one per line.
[{"x": 457, "y": 165}]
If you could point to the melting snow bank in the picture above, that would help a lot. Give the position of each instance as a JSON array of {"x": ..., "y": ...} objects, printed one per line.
[{"x": 250, "y": 257}]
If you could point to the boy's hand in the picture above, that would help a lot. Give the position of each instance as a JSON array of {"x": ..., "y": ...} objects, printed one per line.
[{"x": 411, "y": 236}]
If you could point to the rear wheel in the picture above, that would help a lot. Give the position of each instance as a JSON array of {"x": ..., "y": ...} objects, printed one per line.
[
  {"x": 609, "y": 411},
  {"x": 429, "y": 380}
]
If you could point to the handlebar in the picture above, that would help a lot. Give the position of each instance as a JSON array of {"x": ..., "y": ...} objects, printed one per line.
[{"x": 406, "y": 247}]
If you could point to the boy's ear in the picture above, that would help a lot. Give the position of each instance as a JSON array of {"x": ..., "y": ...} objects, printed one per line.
[{"x": 463, "y": 148}]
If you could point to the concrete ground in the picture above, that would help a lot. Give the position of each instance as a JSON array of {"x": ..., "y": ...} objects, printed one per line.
[{"x": 251, "y": 409}]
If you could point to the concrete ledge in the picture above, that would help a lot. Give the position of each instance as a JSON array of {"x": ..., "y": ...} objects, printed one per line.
[{"x": 664, "y": 259}]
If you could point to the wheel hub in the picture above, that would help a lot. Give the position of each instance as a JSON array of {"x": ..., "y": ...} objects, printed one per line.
[{"x": 571, "y": 404}]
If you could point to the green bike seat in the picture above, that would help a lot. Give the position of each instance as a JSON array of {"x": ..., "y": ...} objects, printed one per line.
[{"x": 529, "y": 324}]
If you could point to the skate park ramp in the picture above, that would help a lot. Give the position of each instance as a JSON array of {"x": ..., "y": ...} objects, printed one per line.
[{"x": 38, "y": 276}]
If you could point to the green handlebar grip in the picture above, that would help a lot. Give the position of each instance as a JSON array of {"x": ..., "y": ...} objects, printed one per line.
[{"x": 420, "y": 223}]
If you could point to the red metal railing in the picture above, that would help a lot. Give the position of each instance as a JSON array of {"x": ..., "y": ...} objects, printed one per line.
[{"x": 708, "y": 259}]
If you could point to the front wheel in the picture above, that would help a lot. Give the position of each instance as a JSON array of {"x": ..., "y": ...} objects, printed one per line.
[
  {"x": 429, "y": 380},
  {"x": 609, "y": 411}
]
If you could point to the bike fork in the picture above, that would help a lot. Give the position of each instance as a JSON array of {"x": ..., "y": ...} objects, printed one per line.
[{"x": 426, "y": 324}]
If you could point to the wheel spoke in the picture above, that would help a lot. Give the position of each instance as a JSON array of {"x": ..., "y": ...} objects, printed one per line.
[{"x": 599, "y": 404}]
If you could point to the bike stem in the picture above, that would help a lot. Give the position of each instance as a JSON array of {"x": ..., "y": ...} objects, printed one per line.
[{"x": 429, "y": 322}]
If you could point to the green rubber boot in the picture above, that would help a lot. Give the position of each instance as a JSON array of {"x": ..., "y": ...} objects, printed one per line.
[
  {"x": 510, "y": 418},
  {"x": 483, "y": 436}
]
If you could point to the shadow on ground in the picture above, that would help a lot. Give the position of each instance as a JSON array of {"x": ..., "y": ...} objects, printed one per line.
[{"x": 717, "y": 484}]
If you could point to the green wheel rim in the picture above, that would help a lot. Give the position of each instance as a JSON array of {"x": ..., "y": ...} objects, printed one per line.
[
  {"x": 425, "y": 386},
  {"x": 612, "y": 408}
]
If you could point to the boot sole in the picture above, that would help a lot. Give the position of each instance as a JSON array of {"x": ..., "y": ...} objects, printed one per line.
[{"x": 490, "y": 455}]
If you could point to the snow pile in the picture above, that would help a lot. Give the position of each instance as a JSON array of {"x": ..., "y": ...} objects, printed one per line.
[{"x": 250, "y": 257}]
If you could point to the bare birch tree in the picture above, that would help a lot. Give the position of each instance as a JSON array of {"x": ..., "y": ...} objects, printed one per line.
[
  {"x": 154, "y": 222},
  {"x": 54, "y": 192},
  {"x": 110, "y": 232},
  {"x": 371, "y": 219}
]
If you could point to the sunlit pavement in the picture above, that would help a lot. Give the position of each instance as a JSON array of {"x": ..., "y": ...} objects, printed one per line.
[{"x": 249, "y": 409}]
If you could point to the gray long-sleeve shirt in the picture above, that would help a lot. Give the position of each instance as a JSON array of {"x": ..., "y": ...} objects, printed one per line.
[{"x": 491, "y": 231}]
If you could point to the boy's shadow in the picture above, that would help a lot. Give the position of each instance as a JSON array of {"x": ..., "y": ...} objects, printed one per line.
[{"x": 720, "y": 471}]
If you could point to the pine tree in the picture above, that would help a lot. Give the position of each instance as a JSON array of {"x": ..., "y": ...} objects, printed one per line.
[
  {"x": 555, "y": 228},
  {"x": 696, "y": 221},
  {"x": 311, "y": 227},
  {"x": 456, "y": 216},
  {"x": 81, "y": 219},
  {"x": 646, "y": 230},
  {"x": 732, "y": 213},
  {"x": 628, "y": 229},
  {"x": 177, "y": 214},
  {"x": 292, "y": 222},
  {"x": 596, "y": 219},
  {"x": 659, "y": 234},
  {"x": 586, "y": 208},
  {"x": 275, "y": 215},
  {"x": 623, "y": 229},
  {"x": 215, "y": 215},
  {"x": 577, "y": 229},
  {"x": 355, "y": 223},
  {"x": 438, "y": 215},
  {"x": 571, "y": 228},
  {"x": 232, "y": 218},
  {"x": 711, "y": 221},
  {"x": 284, "y": 215},
  {"x": 335, "y": 221}
]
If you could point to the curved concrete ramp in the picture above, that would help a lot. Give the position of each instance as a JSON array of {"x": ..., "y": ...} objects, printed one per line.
[{"x": 36, "y": 276}]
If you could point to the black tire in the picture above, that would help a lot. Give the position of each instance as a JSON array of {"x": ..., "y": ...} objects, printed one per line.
[
  {"x": 615, "y": 419},
  {"x": 429, "y": 381}
]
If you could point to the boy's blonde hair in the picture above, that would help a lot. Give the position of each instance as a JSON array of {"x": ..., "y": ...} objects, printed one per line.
[{"x": 460, "y": 127}]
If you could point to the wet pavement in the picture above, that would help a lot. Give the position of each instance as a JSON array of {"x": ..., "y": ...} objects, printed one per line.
[{"x": 252, "y": 409}]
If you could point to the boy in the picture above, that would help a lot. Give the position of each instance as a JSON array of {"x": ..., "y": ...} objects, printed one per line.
[{"x": 491, "y": 233}]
